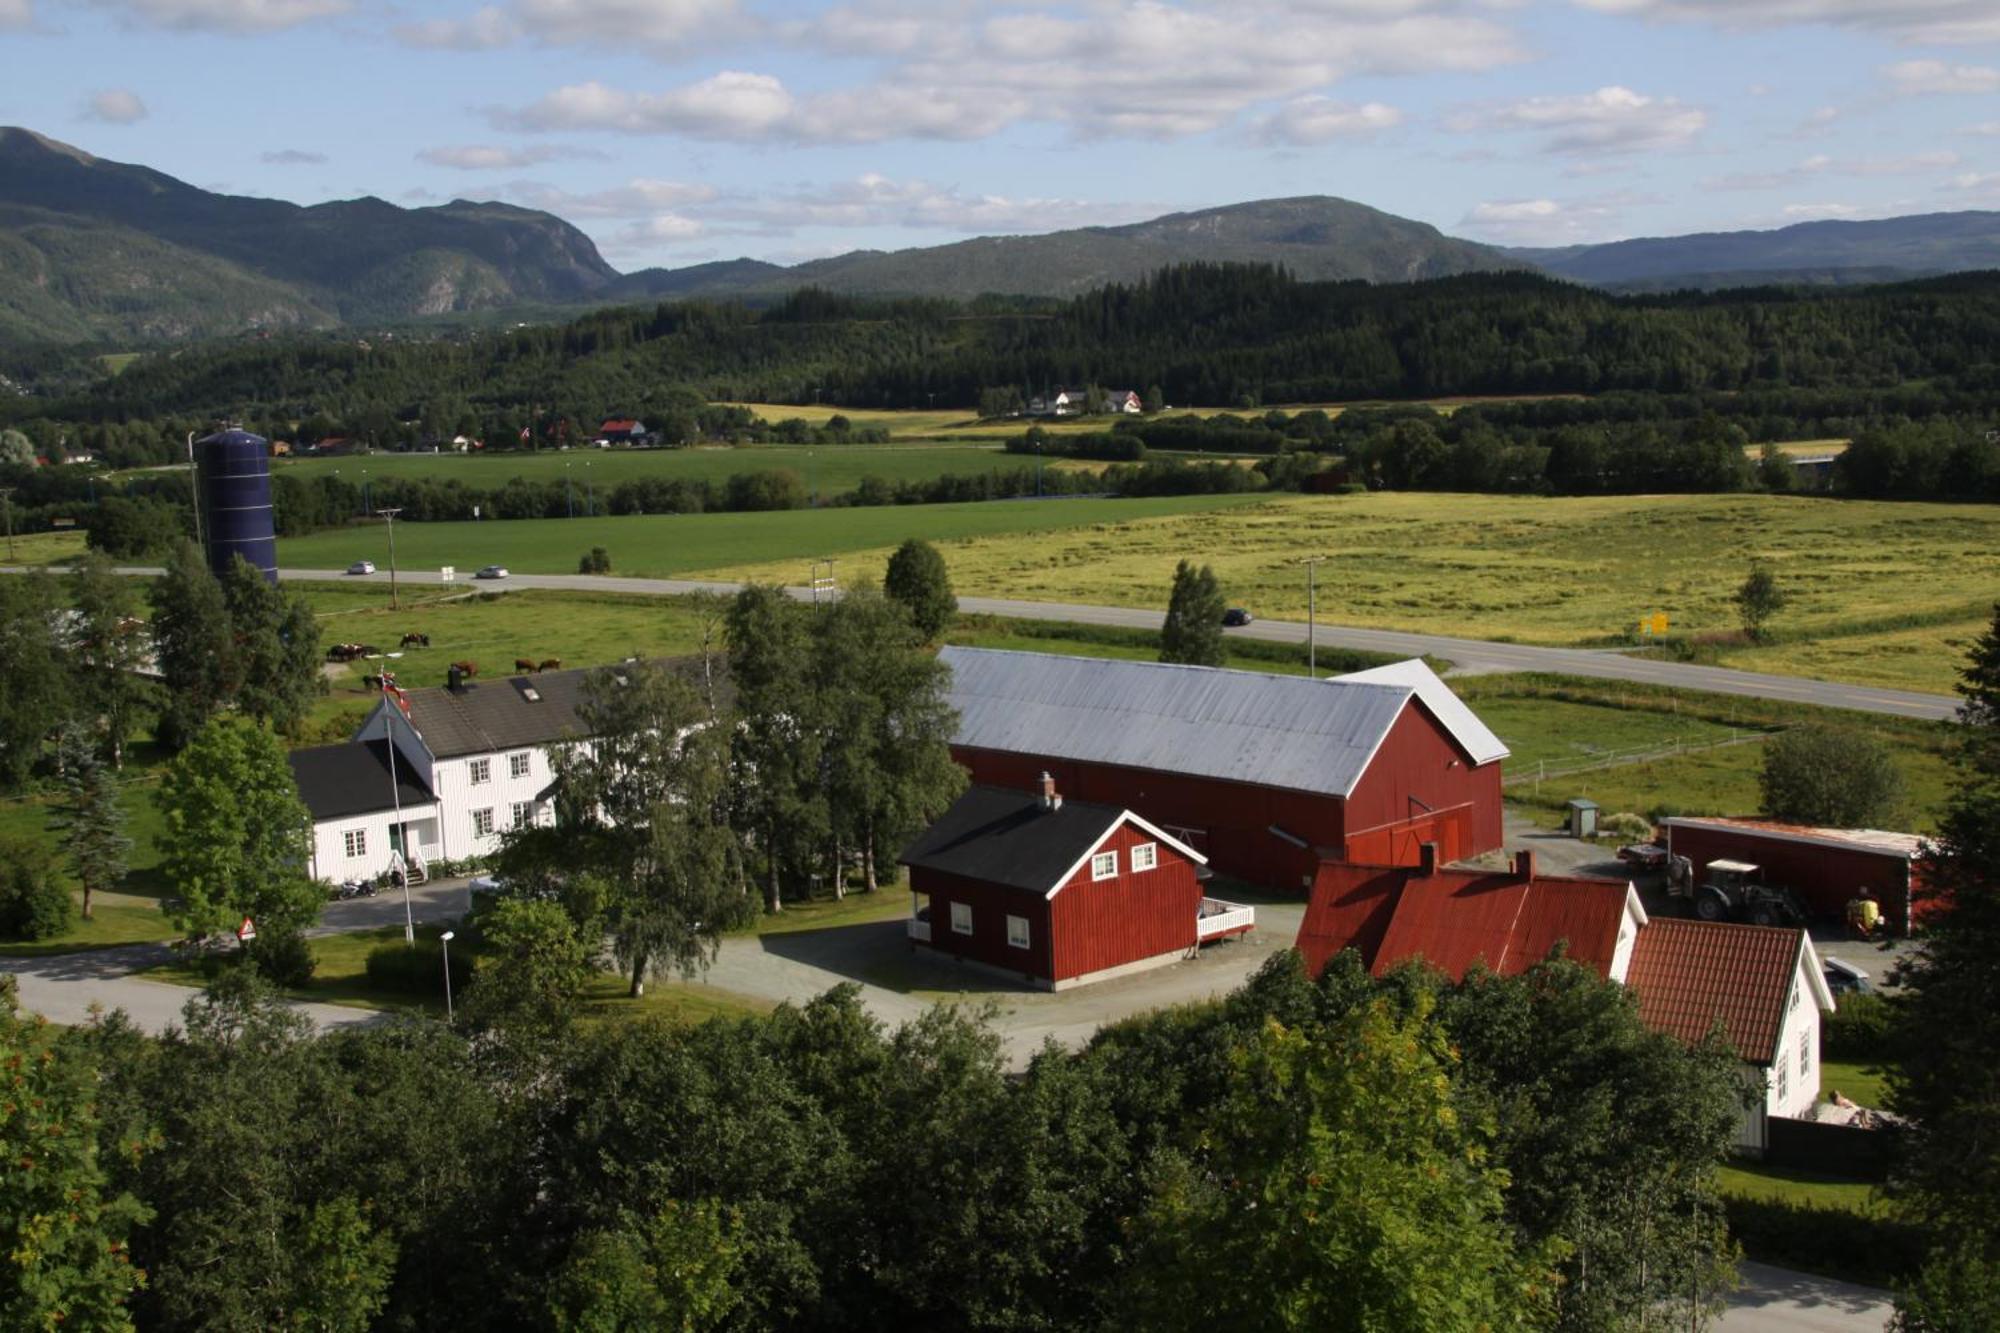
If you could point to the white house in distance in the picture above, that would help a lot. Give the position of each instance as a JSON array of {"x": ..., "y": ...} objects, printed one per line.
[{"x": 472, "y": 761}]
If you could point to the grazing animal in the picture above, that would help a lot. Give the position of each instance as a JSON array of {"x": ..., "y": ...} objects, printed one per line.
[
  {"x": 368, "y": 650},
  {"x": 549, "y": 664},
  {"x": 524, "y": 664},
  {"x": 347, "y": 652},
  {"x": 466, "y": 669},
  {"x": 421, "y": 640},
  {"x": 371, "y": 682}
]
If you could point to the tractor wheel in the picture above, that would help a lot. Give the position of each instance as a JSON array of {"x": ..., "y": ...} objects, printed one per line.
[
  {"x": 1764, "y": 916},
  {"x": 1710, "y": 907}
]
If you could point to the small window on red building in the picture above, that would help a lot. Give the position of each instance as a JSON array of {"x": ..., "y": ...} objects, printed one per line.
[
  {"x": 1017, "y": 931},
  {"x": 1104, "y": 865},
  {"x": 961, "y": 918},
  {"x": 1145, "y": 856}
]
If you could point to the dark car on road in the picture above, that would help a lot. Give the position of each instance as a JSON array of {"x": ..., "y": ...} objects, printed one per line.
[{"x": 1236, "y": 616}]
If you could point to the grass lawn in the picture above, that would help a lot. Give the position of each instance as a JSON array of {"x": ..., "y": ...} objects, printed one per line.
[
  {"x": 783, "y": 542},
  {"x": 1913, "y": 580},
  {"x": 116, "y": 919},
  {"x": 28, "y": 817},
  {"x": 830, "y": 468},
  {"x": 1561, "y": 734},
  {"x": 857, "y": 908},
  {"x": 45, "y": 548},
  {"x": 1756, "y": 1181},
  {"x": 1859, "y": 1081}
]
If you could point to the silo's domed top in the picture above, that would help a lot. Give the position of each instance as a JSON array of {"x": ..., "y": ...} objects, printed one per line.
[{"x": 234, "y": 436}]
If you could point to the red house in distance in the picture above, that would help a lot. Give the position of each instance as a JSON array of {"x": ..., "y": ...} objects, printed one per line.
[
  {"x": 1264, "y": 775},
  {"x": 1059, "y": 892}
]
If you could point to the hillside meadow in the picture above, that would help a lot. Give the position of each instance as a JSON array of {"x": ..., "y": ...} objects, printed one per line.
[{"x": 1880, "y": 593}]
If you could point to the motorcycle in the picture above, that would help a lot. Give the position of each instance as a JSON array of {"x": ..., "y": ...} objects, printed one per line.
[{"x": 357, "y": 888}]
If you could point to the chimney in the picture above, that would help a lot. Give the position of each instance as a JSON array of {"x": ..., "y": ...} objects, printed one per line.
[
  {"x": 1051, "y": 798},
  {"x": 1427, "y": 859},
  {"x": 1524, "y": 865},
  {"x": 454, "y": 680}
]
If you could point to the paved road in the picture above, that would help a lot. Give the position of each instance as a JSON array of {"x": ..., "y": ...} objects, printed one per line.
[
  {"x": 1472, "y": 656},
  {"x": 1777, "y": 1300}
]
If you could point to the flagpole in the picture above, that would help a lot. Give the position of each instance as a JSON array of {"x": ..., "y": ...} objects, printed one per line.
[{"x": 389, "y": 707}]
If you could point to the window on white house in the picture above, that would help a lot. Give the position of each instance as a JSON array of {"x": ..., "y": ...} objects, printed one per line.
[
  {"x": 521, "y": 814},
  {"x": 357, "y": 841},
  {"x": 1104, "y": 865},
  {"x": 482, "y": 822},
  {"x": 518, "y": 765},
  {"x": 1145, "y": 856},
  {"x": 1805, "y": 1052},
  {"x": 1784, "y": 1082},
  {"x": 481, "y": 771},
  {"x": 1017, "y": 931},
  {"x": 961, "y": 918}
]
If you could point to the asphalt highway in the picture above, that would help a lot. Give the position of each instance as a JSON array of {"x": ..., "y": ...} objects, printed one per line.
[{"x": 1471, "y": 655}]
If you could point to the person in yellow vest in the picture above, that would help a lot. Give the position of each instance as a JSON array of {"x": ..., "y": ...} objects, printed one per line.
[{"x": 1864, "y": 914}]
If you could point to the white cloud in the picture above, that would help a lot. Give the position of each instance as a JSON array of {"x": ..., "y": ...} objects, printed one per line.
[
  {"x": 1552, "y": 221},
  {"x": 640, "y": 198},
  {"x": 1610, "y": 120},
  {"x": 485, "y": 30},
  {"x": 1986, "y": 127},
  {"x": 292, "y": 157},
  {"x": 1914, "y": 164},
  {"x": 1917, "y": 77},
  {"x": 223, "y": 15},
  {"x": 17, "y": 14},
  {"x": 663, "y": 27},
  {"x": 965, "y": 69},
  {"x": 115, "y": 106},
  {"x": 1977, "y": 184},
  {"x": 1821, "y": 212},
  {"x": 875, "y": 200},
  {"x": 493, "y": 157},
  {"x": 1919, "y": 22},
  {"x": 1314, "y": 119},
  {"x": 647, "y": 235}
]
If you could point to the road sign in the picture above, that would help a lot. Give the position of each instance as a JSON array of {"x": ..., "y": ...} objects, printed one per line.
[{"x": 247, "y": 931}]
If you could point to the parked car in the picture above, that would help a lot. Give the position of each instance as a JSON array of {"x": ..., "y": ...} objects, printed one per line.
[
  {"x": 492, "y": 572},
  {"x": 1844, "y": 978},
  {"x": 1236, "y": 616},
  {"x": 362, "y": 567},
  {"x": 1643, "y": 855}
]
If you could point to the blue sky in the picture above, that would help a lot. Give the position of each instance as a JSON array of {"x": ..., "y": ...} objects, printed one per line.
[{"x": 677, "y": 131}]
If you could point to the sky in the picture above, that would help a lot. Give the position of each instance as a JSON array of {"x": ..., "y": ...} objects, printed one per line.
[{"x": 680, "y": 131}]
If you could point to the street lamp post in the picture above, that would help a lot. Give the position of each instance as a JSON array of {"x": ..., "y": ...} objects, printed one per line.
[
  {"x": 389, "y": 516},
  {"x": 569, "y": 493},
  {"x": 1312, "y": 609},
  {"x": 446, "y": 939},
  {"x": 589, "y": 495}
]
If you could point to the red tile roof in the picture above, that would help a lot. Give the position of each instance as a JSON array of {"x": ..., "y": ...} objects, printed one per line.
[
  {"x": 619, "y": 423},
  {"x": 1689, "y": 975},
  {"x": 1455, "y": 918}
]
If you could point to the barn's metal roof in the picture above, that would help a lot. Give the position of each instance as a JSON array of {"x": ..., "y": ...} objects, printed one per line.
[
  {"x": 1881, "y": 841},
  {"x": 1241, "y": 726},
  {"x": 1477, "y": 739}
]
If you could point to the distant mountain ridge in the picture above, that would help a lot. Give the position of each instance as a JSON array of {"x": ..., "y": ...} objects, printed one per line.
[{"x": 1813, "y": 253}]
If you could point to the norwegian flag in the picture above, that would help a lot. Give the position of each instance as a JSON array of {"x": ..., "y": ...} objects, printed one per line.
[
  {"x": 525, "y": 431},
  {"x": 391, "y": 690}
]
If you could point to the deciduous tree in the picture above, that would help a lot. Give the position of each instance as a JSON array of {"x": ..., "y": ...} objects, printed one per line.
[
  {"x": 1758, "y": 599},
  {"x": 236, "y": 834},
  {"x": 1192, "y": 633},
  {"x": 111, "y": 647},
  {"x": 918, "y": 579},
  {"x": 277, "y": 646},
  {"x": 1833, "y": 776},
  {"x": 35, "y": 696},
  {"x": 200, "y": 667}
]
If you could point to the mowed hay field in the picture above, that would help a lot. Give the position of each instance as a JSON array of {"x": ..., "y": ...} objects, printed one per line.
[
  {"x": 671, "y": 545},
  {"x": 830, "y": 468},
  {"x": 1881, "y": 593}
]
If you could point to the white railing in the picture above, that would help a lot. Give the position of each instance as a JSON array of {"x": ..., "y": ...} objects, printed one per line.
[
  {"x": 920, "y": 931},
  {"x": 1220, "y": 918}
]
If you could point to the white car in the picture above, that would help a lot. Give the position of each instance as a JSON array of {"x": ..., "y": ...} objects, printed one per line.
[
  {"x": 362, "y": 567},
  {"x": 492, "y": 572}
]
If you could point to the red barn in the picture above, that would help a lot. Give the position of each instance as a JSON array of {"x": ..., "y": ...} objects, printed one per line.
[
  {"x": 1826, "y": 867},
  {"x": 1265, "y": 775},
  {"x": 1506, "y": 921},
  {"x": 1059, "y": 892}
]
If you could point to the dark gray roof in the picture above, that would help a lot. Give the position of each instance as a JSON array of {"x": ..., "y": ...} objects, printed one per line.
[
  {"x": 1243, "y": 726},
  {"x": 1000, "y": 836},
  {"x": 338, "y": 781},
  {"x": 504, "y": 713}
]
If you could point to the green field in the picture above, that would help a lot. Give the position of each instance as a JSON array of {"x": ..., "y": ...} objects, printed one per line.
[
  {"x": 1882, "y": 593},
  {"x": 671, "y": 545},
  {"x": 831, "y": 469}
]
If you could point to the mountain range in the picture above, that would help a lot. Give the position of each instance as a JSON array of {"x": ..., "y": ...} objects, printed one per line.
[{"x": 95, "y": 250}]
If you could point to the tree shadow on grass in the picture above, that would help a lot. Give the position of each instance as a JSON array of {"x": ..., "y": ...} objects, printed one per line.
[{"x": 881, "y": 953}]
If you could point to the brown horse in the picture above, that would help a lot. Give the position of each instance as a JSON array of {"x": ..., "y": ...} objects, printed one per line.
[
  {"x": 421, "y": 640},
  {"x": 549, "y": 664},
  {"x": 524, "y": 664},
  {"x": 466, "y": 669}
]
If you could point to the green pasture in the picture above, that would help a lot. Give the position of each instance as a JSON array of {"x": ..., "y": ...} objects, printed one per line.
[
  {"x": 673, "y": 545},
  {"x": 828, "y": 468},
  {"x": 1881, "y": 593}
]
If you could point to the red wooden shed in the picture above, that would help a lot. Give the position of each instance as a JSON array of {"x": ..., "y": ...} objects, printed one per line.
[
  {"x": 1265, "y": 775},
  {"x": 1059, "y": 892},
  {"x": 1826, "y": 867}
]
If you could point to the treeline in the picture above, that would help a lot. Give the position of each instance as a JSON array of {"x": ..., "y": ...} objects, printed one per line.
[
  {"x": 1204, "y": 335},
  {"x": 1403, "y": 1155}
]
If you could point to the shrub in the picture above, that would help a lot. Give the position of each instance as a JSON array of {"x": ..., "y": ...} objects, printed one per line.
[
  {"x": 1859, "y": 1248},
  {"x": 418, "y": 969},
  {"x": 1816, "y": 774},
  {"x": 596, "y": 560},
  {"x": 35, "y": 902},
  {"x": 284, "y": 956},
  {"x": 1862, "y": 1028},
  {"x": 1625, "y": 826}
]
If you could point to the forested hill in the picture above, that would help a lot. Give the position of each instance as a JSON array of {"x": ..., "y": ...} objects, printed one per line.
[
  {"x": 90, "y": 247},
  {"x": 1222, "y": 336}
]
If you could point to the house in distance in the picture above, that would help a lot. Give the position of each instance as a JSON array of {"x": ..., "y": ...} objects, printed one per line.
[{"x": 1059, "y": 892}]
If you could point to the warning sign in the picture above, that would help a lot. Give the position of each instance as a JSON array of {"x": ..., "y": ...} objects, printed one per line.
[{"x": 247, "y": 931}]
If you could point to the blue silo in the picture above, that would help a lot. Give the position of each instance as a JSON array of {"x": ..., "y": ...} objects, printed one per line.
[{"x": 234, "y": 483}]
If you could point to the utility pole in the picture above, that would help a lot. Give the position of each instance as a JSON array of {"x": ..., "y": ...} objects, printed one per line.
[
  {"x": 1312, "y": 610},
  {"x": 569, "y": 493},
  {"x": 194, "y": 492},
  {"x": 7, "y": 503},
  {"x": 389, "y": 515}
]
